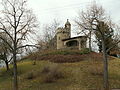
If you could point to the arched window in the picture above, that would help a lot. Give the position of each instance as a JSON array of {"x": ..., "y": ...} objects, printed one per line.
[{"x": 72, "y": 43}]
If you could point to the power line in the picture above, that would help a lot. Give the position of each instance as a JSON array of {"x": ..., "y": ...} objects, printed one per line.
[{"x": 69, "y": 6}]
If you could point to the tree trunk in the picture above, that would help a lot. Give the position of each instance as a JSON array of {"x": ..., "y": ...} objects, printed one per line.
[
  {"x": 90, "y": 48},
  {"x": 15, "y": 72},
  {"x": 105, "y": 60},
  {"x": 7, "y": 66},
  {"x": 6, "y": 61}
]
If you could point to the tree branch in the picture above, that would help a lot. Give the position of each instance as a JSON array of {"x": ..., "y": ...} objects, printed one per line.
[
  {"x": 27, "y": 46},
  {"x": 6, "y": 42}
]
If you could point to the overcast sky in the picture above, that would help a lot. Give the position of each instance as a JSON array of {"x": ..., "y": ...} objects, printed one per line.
[{"x": 47, "y": 10}]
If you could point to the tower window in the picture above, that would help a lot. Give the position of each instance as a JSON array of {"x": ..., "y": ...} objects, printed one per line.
[{"x": 59, "y": 38}]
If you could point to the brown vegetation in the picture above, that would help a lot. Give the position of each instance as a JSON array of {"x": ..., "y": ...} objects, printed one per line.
[
  {"x": 52, "y": 73},
  {"x": 66, "y": 56}
]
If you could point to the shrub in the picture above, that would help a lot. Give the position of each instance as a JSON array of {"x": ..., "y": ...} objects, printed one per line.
[
  {"x": 46, "y": 69},
  {"x": 53, "y": 73},
  {"x": 66, "y": 52},
  {"x": 32, "y": 74},
  {"x": 84, "y": 51},
  {"x": 56, "y": 72},
  {"x": 29, "y": 75}
]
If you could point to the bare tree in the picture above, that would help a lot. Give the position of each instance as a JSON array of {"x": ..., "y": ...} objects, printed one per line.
[
  {"x": 95, "y": 20},
  {"x": 5, "y": 53},
  {"x": 49, "y": 32},
  {"x": 17, "y": 22},
  {"x": 86, "y": 18}
]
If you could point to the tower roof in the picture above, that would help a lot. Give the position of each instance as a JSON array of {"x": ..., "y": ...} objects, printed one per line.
[{"x": 67, "y": 23}]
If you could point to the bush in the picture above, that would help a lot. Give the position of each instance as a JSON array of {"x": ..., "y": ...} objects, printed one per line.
[
  {"x": 84, "y": 51},
  {"x": 32, "y": 74},
  {"x": 66, "y": 52},
  {"x": 53, "y": 73},
  {"x": 29, "y": 75},
  {"x": 46, "y": 69}
]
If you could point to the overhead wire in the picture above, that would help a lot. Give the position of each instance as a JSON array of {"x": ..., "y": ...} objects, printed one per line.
[{"x": 65, "y": 7}]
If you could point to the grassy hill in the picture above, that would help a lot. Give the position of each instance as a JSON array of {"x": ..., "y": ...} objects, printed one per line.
[{"x": 83, "y": 74}]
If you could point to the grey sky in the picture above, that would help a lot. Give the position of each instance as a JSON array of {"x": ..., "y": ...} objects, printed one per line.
[{"x": 47, "y": 10}]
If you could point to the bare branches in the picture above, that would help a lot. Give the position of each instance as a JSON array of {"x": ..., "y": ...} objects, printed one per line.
[
  {"x": 24, "y": 46},
  {"x": 88, "y": 19},
  {"x": 49, "y": 32},
  {"x": 1, "y": 37},
  {"x": 4, "y": 30},
  {"x": 19, "y": 18},
  {"x": 16, "y": 24}
]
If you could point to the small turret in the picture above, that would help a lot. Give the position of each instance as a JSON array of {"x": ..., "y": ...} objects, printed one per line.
[
  {"x": 67, "y": 24},
  {"x": 68, "y": 27}
]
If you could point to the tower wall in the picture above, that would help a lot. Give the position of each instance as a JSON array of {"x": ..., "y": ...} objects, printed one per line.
[{"x": 61, "y": 34}]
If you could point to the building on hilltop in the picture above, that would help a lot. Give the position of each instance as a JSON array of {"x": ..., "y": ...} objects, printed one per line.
[{"x": 65, "y": 41}]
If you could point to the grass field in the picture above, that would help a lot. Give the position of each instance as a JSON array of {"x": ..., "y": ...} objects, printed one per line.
[{"x": 83, "y": 75}]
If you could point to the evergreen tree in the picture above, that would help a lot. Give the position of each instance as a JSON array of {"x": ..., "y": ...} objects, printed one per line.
[{"x": 108, "y": 32}]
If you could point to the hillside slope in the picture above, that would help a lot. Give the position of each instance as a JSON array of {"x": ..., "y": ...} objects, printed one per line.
[{"x": 83, "y": 75}]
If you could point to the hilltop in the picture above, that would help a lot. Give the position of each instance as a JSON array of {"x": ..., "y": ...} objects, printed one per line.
[{"x": 63, "y": 56}]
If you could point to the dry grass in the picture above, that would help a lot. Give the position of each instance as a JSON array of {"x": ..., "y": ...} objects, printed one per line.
[
  {"x": 97, "y": 69},
  {"x": 84, "y": 75}
]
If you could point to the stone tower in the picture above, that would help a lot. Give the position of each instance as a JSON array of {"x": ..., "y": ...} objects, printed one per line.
[
  {"x": 63, "y": 33},
  {"x": 68, "y": 28}
]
